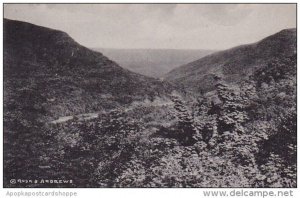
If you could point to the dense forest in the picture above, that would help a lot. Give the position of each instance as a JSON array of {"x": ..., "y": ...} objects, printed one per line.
[{"x": 146, "y": 133}]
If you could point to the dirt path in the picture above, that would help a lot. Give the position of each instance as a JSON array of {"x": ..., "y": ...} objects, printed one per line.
[{"x": 88, "y": 116}]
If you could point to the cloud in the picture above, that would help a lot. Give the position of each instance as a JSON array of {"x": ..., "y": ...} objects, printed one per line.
[{"x": 227, "y": 14}]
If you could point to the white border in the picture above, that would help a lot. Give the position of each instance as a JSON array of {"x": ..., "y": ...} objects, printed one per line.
[{"x": 128, "y": 192}]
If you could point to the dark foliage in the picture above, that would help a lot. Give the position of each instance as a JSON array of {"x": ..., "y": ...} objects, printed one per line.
[{"x": 240, "y": 134}]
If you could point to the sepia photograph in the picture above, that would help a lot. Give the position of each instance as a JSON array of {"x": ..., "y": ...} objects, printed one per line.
[{"x": 141, "y": 95}]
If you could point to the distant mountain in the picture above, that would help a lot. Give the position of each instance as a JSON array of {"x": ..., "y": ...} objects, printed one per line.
[
  {"x": 234, "y": 64},
  {"x": 49, "y": 70},
  {"x": 152, "y": 62}
]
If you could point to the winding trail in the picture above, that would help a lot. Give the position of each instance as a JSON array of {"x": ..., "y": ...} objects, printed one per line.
[{"x": 89, "y": 116}]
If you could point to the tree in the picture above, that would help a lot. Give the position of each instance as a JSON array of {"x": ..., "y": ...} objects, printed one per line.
[{"x": 186, "y": 128}]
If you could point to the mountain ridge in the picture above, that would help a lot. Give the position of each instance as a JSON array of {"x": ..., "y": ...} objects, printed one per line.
[
  {"x": 235, "y": 63},
  {"x": 51, "y": 63}
]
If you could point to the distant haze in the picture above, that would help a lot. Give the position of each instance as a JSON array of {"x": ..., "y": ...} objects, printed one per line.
[
  {"x": 170, "y": 26},
  {"x": 152, "y": 62}
]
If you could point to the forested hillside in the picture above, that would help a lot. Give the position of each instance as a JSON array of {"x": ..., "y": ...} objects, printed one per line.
[
  {"x": 234, "y": 65},
  {"x": 236, "y": 132},
  {"x": 47, "y": 75}
]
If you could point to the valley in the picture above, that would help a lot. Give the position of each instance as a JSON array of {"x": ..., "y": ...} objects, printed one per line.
[
  {"x": 153, "y": 62},
  {"x": 213, "y": 119}
]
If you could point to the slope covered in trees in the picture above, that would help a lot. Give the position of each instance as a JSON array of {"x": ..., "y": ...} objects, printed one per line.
[
  {"x": 235, "y": 64},
  {"x": 50, "y": 63},
  {"x": 48, "y": 75},
  {"x": 243, "y": 139},
  {"x": 240, "y": 134}
]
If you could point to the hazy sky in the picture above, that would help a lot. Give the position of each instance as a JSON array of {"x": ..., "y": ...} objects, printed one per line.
[{"x": 179, "y": 26}]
